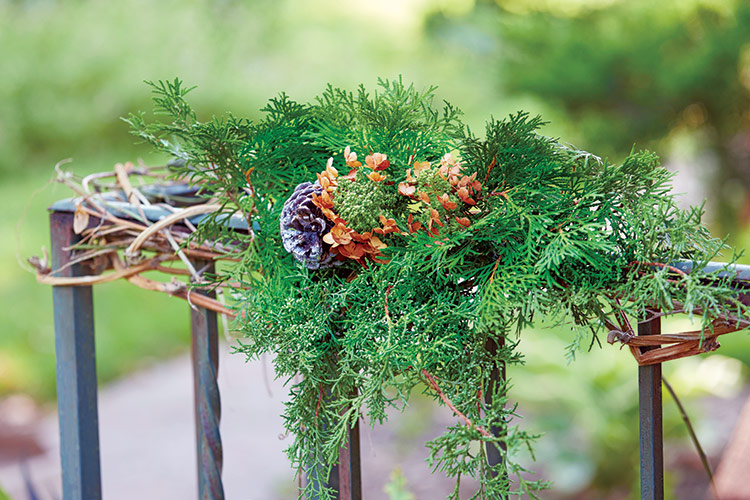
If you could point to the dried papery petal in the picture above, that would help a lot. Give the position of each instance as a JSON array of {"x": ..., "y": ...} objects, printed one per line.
[
  {"x": 375, "y": 177},
  {"x": 351, "y": 158},
  {"x": 330, "y": 215},
  {"x": 463, "y": 193},
  {"x": 405, "y": 189},
  {"x": 338, "y": 235},
  {"x": 377, "y": 161},
  {"x": 419, "y": 166},
  {"x": 435, "y": 216},
  {"x": 424, "y": 197},
  {"x": 463, "y": 221},
  {"x": 383, "y": 165},
  {"x": 352, "y": 250},
  {"x": 362, "y": 238},
  {"x": 447, "y": 159},
  {"x": 322, "y": 200},
  {"x": 376, "y": 243},
  {"x": 446, "y": 202}
]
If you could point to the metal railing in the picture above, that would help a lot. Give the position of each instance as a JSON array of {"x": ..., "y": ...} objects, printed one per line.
[{"x": 77, "y": 391}]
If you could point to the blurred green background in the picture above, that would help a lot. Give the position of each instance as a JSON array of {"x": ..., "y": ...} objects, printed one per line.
[{"x": 670, "y": 75}]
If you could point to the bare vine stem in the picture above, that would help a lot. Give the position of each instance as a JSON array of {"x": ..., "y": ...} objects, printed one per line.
[
  {"x": 433, "y": 383},
  {"x": 693, "y": 437}
]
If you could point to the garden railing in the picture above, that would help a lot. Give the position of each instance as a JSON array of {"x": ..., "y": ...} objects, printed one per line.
[{"x": 77, "y": 386}]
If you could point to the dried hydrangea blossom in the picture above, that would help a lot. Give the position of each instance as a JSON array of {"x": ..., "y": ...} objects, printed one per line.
[{"x": 303, "y": 226}]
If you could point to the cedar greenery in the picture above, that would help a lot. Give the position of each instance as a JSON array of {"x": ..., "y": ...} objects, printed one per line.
[{"x": 557, "y": 234}]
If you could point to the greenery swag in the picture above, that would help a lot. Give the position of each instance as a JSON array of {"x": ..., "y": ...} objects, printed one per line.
[{"x": 422, "y": 264}]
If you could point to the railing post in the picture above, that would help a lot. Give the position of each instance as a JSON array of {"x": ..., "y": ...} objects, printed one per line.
[
  {"x": 76, "y": 371},
  {"x": 349, "y": 468},
  {"x": 205, "y": 358},
  {"x": 650, "y": 421},
  {"x": 497, "y": 378}
]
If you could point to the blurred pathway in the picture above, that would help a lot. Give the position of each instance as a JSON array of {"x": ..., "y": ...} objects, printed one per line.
[{"x": 147, "y": 440}]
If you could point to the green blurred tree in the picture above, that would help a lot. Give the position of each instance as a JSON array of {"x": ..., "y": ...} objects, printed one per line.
[{"x": 636, "y": 71}]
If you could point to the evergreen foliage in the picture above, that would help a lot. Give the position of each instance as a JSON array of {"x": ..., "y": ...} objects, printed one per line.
[{"x": 555, "y": 233}]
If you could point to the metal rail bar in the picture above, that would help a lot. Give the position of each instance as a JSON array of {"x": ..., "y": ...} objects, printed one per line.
[
  {"x": 497, "y": 378},
  {"x": 205, "y": 359},
  {"x": 77, "y": 389},
  {"x": 349, "y": 468},
  {"x": 76, "y": 372},
  {"x": 650, "y": 421}
]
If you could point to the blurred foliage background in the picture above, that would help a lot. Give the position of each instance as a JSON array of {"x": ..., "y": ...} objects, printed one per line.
[{"x": 669, "y": 75}]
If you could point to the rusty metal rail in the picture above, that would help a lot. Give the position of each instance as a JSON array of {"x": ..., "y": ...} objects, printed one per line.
[{"x": 77, "y": 389}]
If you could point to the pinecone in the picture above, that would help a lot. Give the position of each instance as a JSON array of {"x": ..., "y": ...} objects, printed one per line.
[{"x": 303, "y": 226}]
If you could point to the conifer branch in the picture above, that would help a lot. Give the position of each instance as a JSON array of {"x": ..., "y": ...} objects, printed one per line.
[{"x": 433, "y": 383}]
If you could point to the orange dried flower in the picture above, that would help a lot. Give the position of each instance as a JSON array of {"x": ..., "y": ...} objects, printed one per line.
[
  {"x": 351, "y": 158},
  {"x": 420, "y": 165},
  {"x": 446, "y": 202},
  {"x": 405, "y": 189},
  {"x": 352, "y": 250},
  {"x": 435, "y": 217},
  {"x": 413, "y": 226},
  {"x": 464, "y": 221},
  {"x": 377, "y": 161},
  {"x": 375, "y": 176},
  {"x": 323, "y": 200},
  {"x": 463, "y": 193},
  {"x": 424, "y": 197},
  {"x": 338, "y": 235},
  {"x": 389, "y": 225},
  {"x": 377, "y": 244},
  {"x": 362, "y": 238}
]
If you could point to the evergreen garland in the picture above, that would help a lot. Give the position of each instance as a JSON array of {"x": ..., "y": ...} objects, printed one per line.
[{"x": 546, "y": 231}]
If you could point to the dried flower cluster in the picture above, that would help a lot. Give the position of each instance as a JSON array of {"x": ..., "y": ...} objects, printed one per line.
[
  {"x": 446, "y": 186},
  {"x": 428, "y": 199}
]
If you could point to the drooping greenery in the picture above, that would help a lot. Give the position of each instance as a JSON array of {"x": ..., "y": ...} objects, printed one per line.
[{"x": 556, "y": 233}]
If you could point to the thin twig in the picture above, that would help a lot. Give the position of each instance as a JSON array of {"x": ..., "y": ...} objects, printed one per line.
[
  {"x": 693, "y": 437},
  {"x": 167, "y": 221},
  {"x": 157, "y": 286},
  {"x": 659, "y": 264},
  {"x": 497, "y": 262},
  {"x": 124, "y": 272},
  {"x": 433, "y": 383}
]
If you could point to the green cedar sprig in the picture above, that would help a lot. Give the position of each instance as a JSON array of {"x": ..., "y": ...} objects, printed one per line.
[{"x": 557, "y": 234}]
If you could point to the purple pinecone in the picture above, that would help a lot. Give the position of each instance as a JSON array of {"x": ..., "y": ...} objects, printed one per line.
[{"x": 303, "y": 226}]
